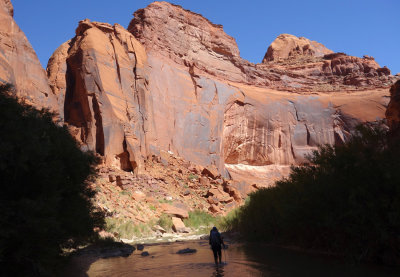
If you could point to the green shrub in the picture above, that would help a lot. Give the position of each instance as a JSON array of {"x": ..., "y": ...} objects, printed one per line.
[
  {"x": 165, "y": 201},
  {"x": 200, "y": 218},
  {"x": 165, "y": 221},
  {"x": 230, "y": 221},
  {"x": 125, "y": 192},
  {"x": 347, "y": 200},
  {"x": 126, "y": 228},
  {"x": 192, "y": 177},
  {"x": 45, "y": 200}
]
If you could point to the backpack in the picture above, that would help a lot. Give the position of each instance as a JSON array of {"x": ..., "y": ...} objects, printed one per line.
[{"x": 215, "y": 240}]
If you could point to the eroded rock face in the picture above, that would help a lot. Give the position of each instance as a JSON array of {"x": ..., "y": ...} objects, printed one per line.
[
  {"x": 187, "y": 38},
  {"x": 287, "y": 46},
  {"x": 188, "y": 112},
  {"x": 291, "y": 63},
  {"x": 190, "y": 93},
  {"x": 19, "y": 64},
  {"x": 101, "y": 74},
  {"x": 305, "y": 64}
]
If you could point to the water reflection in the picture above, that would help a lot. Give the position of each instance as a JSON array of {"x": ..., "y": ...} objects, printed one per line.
[
  {"x": 219, "y": 272},
  {"x": 242, "y": 260}
]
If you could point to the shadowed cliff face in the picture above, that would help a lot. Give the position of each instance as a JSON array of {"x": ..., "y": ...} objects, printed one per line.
[
  {"x": 19, "y": 64},
  {"x": 393, "y": 109}
]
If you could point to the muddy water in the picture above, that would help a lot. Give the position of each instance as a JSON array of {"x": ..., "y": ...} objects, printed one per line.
[{"x": 241, "y": 260}]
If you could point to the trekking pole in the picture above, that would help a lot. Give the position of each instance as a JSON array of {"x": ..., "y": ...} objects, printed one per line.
[{"x": 225, "y": 253}]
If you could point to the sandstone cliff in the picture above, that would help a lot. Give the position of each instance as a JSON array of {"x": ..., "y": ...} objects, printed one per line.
[
  {"x": 19, "y": 64},
  {"x": 290, "y": 64},
  {"x": 171, "y": 98},
  {"x": 185, "y": 89},
  {"x": 101, "y": 74}
]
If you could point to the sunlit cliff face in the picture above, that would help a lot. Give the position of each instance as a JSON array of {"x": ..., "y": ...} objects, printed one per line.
[{"x": 174, "y": 81}]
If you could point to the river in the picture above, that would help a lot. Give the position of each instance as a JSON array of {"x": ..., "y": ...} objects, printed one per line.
[{"x": 239, "y": 260}]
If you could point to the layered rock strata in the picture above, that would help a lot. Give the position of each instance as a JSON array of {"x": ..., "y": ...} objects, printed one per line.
[
  {"x": 287, "y": 46},
  {"x": 19, "y": 64},
  {"x": 294, "y": 64}
]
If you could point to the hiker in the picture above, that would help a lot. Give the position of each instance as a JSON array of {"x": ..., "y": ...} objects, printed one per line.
[{"x": 215, "y": 242}]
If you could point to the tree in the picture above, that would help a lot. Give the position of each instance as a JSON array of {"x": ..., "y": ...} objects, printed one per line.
[{"x": 45, "y": 200}]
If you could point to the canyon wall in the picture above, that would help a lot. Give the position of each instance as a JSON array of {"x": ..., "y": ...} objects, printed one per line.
[
  {"x": 175, "y": 82},
  {"x": 19, "y": 64},
  {"x": 101, "y": 74}
]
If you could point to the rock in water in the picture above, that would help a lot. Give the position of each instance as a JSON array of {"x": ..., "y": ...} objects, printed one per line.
[{"x": 186, "y": 251}]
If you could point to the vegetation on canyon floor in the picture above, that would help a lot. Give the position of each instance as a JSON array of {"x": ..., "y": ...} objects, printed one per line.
[
  {"x": 346, "y": 201},
  {"x": 128, "y": 229},
  {"x": 45, "y": 200}
]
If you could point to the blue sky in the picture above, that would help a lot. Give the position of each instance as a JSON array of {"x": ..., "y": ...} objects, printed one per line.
[{"x": 356, "y": 27}]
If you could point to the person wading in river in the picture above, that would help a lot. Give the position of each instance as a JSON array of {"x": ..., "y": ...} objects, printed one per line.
[{"x": 215, "y": 242}]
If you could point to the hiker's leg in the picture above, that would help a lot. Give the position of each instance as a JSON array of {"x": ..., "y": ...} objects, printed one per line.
[
  {"x": 219, "y": 254},
  {"x": 215, "y": 255}
]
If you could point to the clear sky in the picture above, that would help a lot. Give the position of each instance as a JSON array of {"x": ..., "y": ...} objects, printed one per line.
[{"x": 356, "y": 27}]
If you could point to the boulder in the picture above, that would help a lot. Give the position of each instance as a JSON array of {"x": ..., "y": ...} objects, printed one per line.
[
  {"x": 173, "y": 210},
  {"x": 204, "y": 181},
  {"x": 232, "y": 191},
  {"x": 212, "y": 200},
  {"x": 160, "y": 229},
  {"x": 178, "y": 225},
  {"x": 219, "y": 195},
  {"x": 214, "y": 209},
  {"x": 211, "y": 171}
]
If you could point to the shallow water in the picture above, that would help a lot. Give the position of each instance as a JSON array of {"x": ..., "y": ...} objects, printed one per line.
[{"x": 239, "y": 260}]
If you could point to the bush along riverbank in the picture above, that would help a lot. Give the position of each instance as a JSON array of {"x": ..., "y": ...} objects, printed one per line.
[
  {"x": 46, "y": 201},
  {"x": 346, "y": 201}
]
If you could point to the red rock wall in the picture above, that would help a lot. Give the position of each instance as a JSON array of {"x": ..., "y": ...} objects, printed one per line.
[
  {"x": 19, "y": 64},
  {"x": 102, "y": 75},
  {"x": 186, "y": 90}
]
